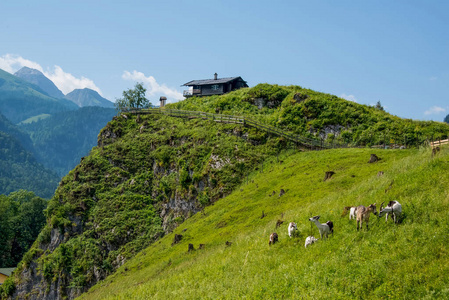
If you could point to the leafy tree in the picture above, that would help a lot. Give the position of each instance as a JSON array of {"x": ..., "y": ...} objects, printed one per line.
[
  {"x": 22, "y": 218},
  {"x": 379, "y": 106},
  {"x": 446, "y": 119},
  {"x": 133, "y": 98}
]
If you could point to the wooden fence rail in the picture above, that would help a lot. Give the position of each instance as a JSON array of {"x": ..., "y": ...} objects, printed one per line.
[
  {"x": 439, "y": 142},
  {"x": 298, "y": 139}
]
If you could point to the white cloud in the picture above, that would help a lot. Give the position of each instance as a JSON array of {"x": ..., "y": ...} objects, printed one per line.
[
  {"x": 434, "y": 110},
  {"x": 433, "y": 78},
  {"x": 66, "y": 82},
  {"x": 11, "y": 63},
  {"x": 348, "y": 97},
  {"x": 153, "y": 88}
]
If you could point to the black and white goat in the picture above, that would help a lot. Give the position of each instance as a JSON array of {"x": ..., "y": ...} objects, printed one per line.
[
  {"x": 394, "y": 208},
  {"x": 292, "y": 228},
  {"x": 325, "y": 228}
]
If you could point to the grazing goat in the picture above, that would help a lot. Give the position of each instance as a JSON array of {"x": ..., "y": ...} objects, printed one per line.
[
  {"x": 273, "y": 238},
  {"x": 393, "y": 207},
  {"x": 310, "y": 240},
  {"x": 352, "y": 212},
  {"x": 325, "y": 228},
  {"x": 363, "y": 214},
  {"x": 292, "y": 228},
  {"x": 279, "y": 223}
]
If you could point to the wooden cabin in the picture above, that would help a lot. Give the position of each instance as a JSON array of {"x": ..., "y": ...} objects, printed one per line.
[
  {"x": 5, "y": 273},
  {"x": 215, "y": 86}
]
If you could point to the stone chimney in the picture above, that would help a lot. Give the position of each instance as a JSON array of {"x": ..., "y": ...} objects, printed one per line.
[
  {"x": 215, "y": 76},
  {"x": 162, "y": 99}
]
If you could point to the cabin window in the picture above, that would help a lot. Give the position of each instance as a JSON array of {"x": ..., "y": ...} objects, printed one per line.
[{"x": 215, "y": 87}]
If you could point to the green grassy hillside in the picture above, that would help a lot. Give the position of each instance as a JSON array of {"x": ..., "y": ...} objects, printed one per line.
[
  {"x": 406, "y": 261},
  {"x": 151, "y": 173}
]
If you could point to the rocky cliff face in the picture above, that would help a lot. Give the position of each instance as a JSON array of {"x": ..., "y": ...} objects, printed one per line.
[{"x": 147, "y": 175}]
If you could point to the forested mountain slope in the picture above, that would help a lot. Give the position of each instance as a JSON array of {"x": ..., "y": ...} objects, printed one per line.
[
  {"x": 20, "y": 170},
  {"x": 14, "y": 131},
  {"x": 63, "y": 138}
]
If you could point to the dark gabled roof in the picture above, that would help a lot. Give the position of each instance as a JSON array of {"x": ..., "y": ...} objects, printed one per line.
[{"x": 211, "y": 81}]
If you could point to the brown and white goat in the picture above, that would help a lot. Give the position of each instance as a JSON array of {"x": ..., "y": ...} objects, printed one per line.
[
  {"x": 363, "y": 214},
  {"x": 394, "y": 208},
  {"x": 273, "y": 238},
  {"x": 325, "y": 228}
]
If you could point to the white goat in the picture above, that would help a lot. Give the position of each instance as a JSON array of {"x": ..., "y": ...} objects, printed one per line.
[
  {"x": 353, "y": 213},
  {"x": 291, "y": 228},
  {"x": 325, "y": 228},
  {"x": 393, "y": 207},
  {"x": 310, "y": 240}
]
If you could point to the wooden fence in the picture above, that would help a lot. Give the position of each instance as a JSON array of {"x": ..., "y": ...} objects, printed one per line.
[
  {"x": 439, "y": 142},
  {"x": 298, "y": 139}
]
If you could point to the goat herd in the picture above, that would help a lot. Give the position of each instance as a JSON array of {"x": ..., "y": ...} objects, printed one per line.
[{"x": 360, "y": 213}]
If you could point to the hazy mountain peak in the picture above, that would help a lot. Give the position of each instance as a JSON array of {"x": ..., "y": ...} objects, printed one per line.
[
  {"x": 88, "y": 97},
  {"x": 38, "y": 78}
]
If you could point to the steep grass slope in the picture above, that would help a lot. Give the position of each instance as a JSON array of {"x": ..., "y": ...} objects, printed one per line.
[{"x": 406, "y": 261}]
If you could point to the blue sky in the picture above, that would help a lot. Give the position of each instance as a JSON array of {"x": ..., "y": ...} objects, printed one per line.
[{"x": 396, "y": 52}]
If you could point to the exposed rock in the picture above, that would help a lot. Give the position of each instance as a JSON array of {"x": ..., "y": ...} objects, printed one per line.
[
  {"x": 108, "y": 136},
  {"x": 298, "y": 97}
]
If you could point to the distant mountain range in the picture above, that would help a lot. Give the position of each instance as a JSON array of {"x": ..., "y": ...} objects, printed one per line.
[
  {"x": 44, "y": 134},
  {"x": 81, "y": 97},
  {"x": 20, "y": 99},
  {"x": 37, "y": 78},
  {"x": 88, "y": 97}
]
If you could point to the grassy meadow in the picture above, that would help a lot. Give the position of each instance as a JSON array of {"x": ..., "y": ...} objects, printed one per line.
[{"x": 405, "y": 261}]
